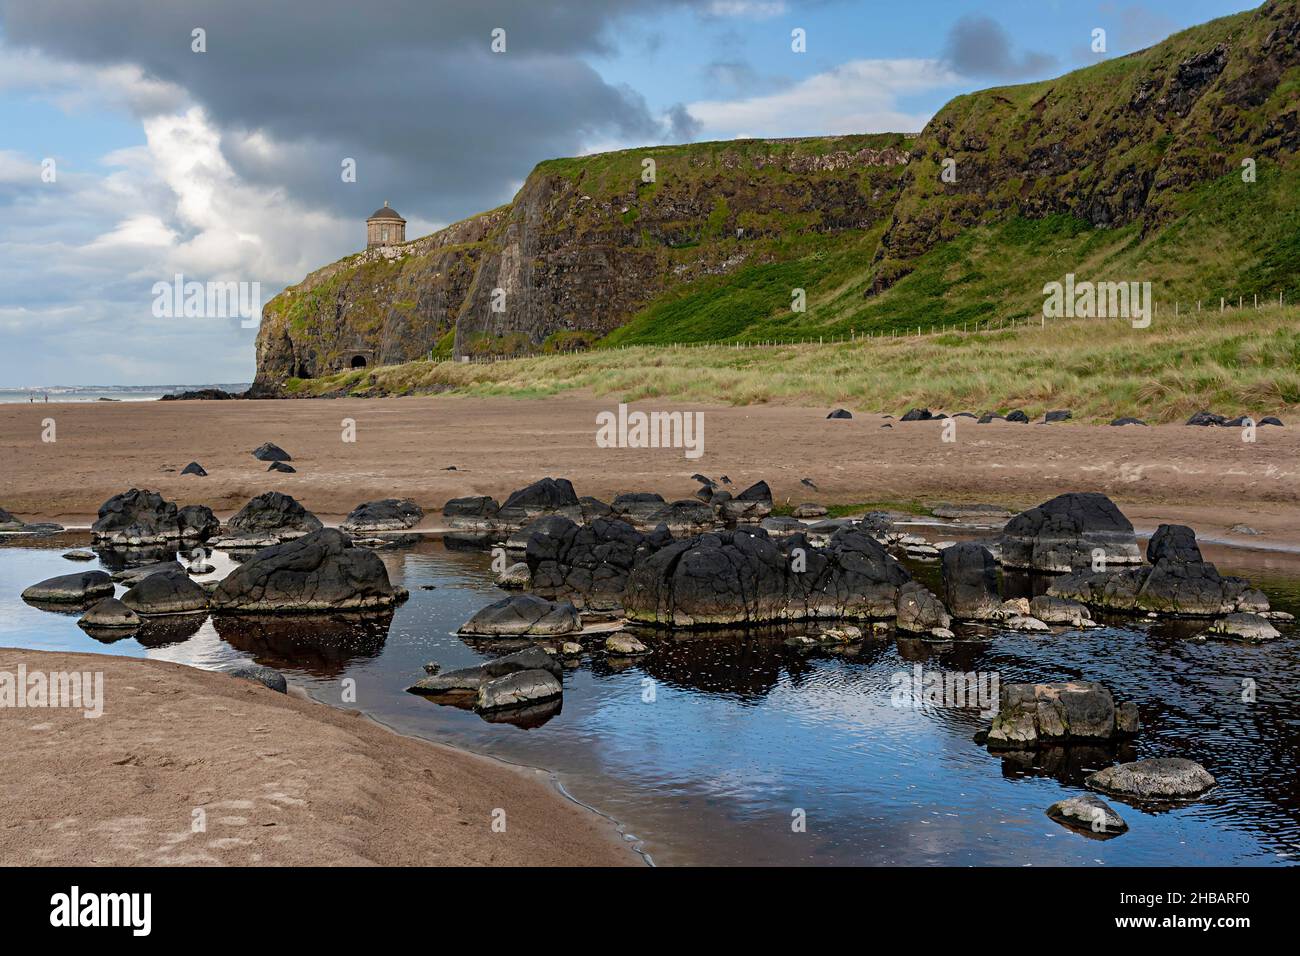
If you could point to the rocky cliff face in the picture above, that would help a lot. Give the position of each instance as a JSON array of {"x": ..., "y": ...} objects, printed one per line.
[
  {"x": 584, "y": 244},
  {"x": 589, "y": 243},
  {"x": 1112, "y": 144}
]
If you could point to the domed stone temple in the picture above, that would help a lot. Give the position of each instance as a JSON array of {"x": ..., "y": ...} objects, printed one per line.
[{"x": 385, "y": 227}]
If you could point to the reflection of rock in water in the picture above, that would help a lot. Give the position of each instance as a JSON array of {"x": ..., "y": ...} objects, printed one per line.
[
  {"x": 746, "y": 663},
  {"x": 1068, "y": 764},
  {"x": 122, "y": 557},
  {"x": 323, "y": 646},
  {"x": 1025, "y": 584},
  {"x": 169, "y": 629},
  {"x": 525, "y": 718},
  {"x": 958, "y": 655},
  {"x": 107, "y": 635}
]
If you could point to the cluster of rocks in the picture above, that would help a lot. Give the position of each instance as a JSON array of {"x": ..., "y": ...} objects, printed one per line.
[
  {"x": 1070, "y": 712},
  {"x": 11, "y": 524},
  {"x": 140, "y": 518},
  {"x": 1207, "y": 418}
]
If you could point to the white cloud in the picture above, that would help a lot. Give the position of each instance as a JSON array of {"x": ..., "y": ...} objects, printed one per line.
[
  {"x": 861, "y": 96},
  {"x": 751, "y": 9}
]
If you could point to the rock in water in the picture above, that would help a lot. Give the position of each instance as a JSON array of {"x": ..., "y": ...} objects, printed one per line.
[
  {"x": 136, "y": 517},
  {"x": 274, "y": 514},
  {"x": 625, "y": 645},
  {"x": 79, "y": 555},
  {"x": 743, "y": 576},
  {"x": 519, "y": 689},
  {"x": 919, "y": 611},
  {"x": 271, "y": 452},
  {"x": 587, "y": 565},
  {"x": 514, "y": 577},
  {"x": 390, "y": 514},
  {"x": 319, "y": 572},
  {"x": 71, "y": 588},
  {"x": 1054, "y": 610},
  {"x": 970, "y": 582},
  {"x": 197, "y": 522},
  {"x": 471, "y": 678},
  {"x": 1153, "y": 779},
  {"x": 1244, "y": 627},
  {"x": 1033, "y": 714},
  {"x": 474, "y": 513},
  {"x": 268, "y": 677},
  {"x": 169, "y": 592},
  {"x": 1088, "y": 812},
  {"x": 1063, "y": 534},
  {"x": 109, "y": 613},
  {"x": 524, "y": 615}
]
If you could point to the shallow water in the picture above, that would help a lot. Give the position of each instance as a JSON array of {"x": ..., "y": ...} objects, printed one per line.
[{"x": 708, "y": 749}]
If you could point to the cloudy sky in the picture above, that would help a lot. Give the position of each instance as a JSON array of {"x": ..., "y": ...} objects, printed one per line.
[{"x": 126, "y": 157}]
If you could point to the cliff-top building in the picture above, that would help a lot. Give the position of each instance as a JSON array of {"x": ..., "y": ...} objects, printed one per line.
[{"x": 385, "y": 227}]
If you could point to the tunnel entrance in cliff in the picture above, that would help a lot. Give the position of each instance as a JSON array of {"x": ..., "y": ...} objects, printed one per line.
[{"x": 358, "y": 361}]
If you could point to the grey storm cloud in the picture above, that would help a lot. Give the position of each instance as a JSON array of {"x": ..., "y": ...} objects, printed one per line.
[
  {"x": 409, "y": 89},
  {"x": 979, "y": 46}
]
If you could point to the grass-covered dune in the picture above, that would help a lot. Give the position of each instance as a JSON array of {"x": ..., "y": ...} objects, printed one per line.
[{"x": 1238, "y": 361}]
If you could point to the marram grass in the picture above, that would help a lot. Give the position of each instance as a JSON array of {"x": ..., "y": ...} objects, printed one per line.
[{"x": 1243, "y": 361}]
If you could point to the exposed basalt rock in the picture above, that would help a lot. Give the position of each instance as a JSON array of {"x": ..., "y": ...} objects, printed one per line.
[
  {"x": 110, "y": 613},
  {"x": 1089, "y": 813},
  {"x": 136, "y": 517},
  {"x": 524, "y": 615},
  {"x": 1057, "y": 416},
  {"x": 197, "y": 522},
  {"x": 683, "y": 517},
  {"x": 624, "y": 645},
  {"x": 970, "y": 582},
  {"x": 282, "y": 468},
  {"x": 1068, "y": 533},
  {"x": 78, "y": 588},
  {"x": 133, "y": 576},
  {"x": 475, "y": 512},
  {"x": 1159, "y": 778},
  {"x": 976, "y": 512},
  {"x": 752, "y": 504},
  {"x": 520, "y": 689},
  {"x": 271, "y": 452},
  {"x": 469, "y": 679},
  {"x": 268, "y": 677},
  {"x": 1175, "y": 541},
  {"x": 169, "y": 592},
  {"x": 9, "y": 522},
  {"x": 550, "y": 496},
  {"x": 273, "y": 514},
  {"x": 514, "y": 577},
  {"x": 1055, "y": 610},
  {"x": 840, "y": 413},
  {"x": 743, "y": 576},
  {"x": 518, "y": 539},
  {"x": 587, "y": 565},
  {"x": 636, "y": 507},
  {"x": 321, "y": 571},
  {"x": 920, "y": 612},
  {"x": 1018, "y": 417},
  {"x": 1244, "y": 627},
  {"x": 917, "y": 415},
  {"x": 1205, "y": 418},
  {"x": 194, "y": 468},
  {"x": 1119, "y": 422},
  {"x": 390, "y": 514},
  {"x": 809, "y": 509},
  {"x": 1033, "y": 714}
]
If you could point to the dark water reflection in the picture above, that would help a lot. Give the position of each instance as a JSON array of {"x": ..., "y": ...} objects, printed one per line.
[{"x": 709, "y": 747}]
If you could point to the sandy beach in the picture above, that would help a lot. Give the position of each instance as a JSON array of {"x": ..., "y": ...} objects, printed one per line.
[
  {"x": 1206, "y": 477},
  {"x": 281, "y": 779}
]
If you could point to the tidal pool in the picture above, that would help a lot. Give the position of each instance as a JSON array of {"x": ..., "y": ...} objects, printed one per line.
[{"x": 714, "y": 747}]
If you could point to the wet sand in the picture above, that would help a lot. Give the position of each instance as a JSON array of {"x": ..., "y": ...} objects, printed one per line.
[
  {"x": 1206, "y": 477},
  {"x": 281, "y": 780}
]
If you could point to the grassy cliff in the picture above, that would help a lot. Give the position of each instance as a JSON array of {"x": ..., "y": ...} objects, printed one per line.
[{"x": 1130, "y": 170}]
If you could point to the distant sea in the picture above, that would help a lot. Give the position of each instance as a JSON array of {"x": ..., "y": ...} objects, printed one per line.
[{"x": 95, "y": 393}]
